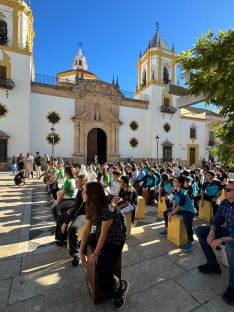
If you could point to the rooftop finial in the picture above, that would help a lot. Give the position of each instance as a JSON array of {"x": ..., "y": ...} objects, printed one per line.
[
  {"x": 140, "y": 54},
  {"x": 157, "y": 25},
  {"x": 113, "y": 80},
  {"x": 173, "y": 47},
  {"x": 117, "y": 82}
]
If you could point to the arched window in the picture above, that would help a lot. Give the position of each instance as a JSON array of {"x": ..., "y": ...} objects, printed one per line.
[
  {"x": 144, "y": 78},
  {"x": 3, "y": 33},
  {"x": 80, "y": 63},
  {"x": 165, "y": 75}
]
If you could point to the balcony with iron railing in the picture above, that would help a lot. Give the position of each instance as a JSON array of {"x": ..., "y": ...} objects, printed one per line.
[
  {"x": 66, "y": 83},
  {"x": 166, "y": 109}
]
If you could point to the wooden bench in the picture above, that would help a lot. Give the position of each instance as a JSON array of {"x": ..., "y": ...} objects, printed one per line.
[
  {"x": 140, "y": 208},
  {"x": 99, "y": 295},
  {"x": 205, "y": 212},
  {"x": 161, "y": 206},
  {"x": 176, "y": 231}
]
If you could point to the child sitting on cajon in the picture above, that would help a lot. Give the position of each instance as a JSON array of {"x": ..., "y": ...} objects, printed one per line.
[{"x": 182, "y": 205}]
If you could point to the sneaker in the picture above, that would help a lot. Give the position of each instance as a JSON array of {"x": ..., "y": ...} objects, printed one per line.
[
  {"x": 228, "y": 296},
  {"x": 209, "y": 268},
  {"x": 75, "y": 261},
  {"x": 120, "y": 302},
  {"x": 163, "y": 233},
  {"x": 188, "y": 247}
]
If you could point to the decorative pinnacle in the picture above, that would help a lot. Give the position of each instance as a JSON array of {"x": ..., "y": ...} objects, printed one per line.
[
  {"x": 117, "y": 82},
  {"x": 113, "y": 80},
  {"x": 173, "y": 47},
  {"x": 157, "y": 26}
]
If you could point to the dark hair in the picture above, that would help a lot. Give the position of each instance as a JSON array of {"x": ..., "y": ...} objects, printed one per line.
[
  {"x": 180, "y": 179},
  {"x": 69, "y": 171},
  {"x": 211, "y": 172},
  {"x": 125, "y": 179},
  {"x": 185, "y": 173},
  {"x": 96, "y": 199},
  {"x": 169, "y": 170},
  {"x": 77, "y": 165},
  {"x": 117, "y": 172},
  {"x": 164, "y": 176}
]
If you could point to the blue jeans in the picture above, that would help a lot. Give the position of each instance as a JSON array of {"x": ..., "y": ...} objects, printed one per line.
[{"x": 202, "y": 233}]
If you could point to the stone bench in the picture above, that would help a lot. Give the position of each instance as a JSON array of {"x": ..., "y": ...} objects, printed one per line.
[
  {"x": 176, "y": 231},
  {"x": 205, "y": 212},
  {"x": 99, "y": 295}
]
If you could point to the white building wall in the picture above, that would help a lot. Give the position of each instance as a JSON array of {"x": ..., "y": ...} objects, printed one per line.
[
  {"x": 41, "y": 105},
  {"x": 16, "y": 122},
  {"x": 126, "y": 115}
]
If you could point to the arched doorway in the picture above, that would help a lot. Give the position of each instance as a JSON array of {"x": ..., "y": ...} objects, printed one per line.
[{"x": 96, "y": 145}]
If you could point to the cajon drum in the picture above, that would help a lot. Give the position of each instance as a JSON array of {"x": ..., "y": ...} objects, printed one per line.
[
  {"x": 224, "y": 257},
  {"x": 140, "y": 208},
  {"x": 145, "y": 194},
  {"x": 161, "y": 207},
  {"x": 205, "y": 212},
  {"x": 176, "y": 231},
  {"x": 99, "y": 295},
  {"x": 128, "y": 217}
]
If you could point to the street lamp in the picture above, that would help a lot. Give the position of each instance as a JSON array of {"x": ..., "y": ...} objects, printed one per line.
[
  {"x": 157, "y": 140},
  {"x": 52, "y": 136}
]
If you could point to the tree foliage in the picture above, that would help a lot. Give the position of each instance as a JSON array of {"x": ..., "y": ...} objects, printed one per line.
[{"x": 212, "y": 63}]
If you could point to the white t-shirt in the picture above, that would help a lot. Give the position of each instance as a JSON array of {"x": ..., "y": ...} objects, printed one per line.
[
  {"x": 92, "y": 177},
  {"x": 115, "y": 187}
]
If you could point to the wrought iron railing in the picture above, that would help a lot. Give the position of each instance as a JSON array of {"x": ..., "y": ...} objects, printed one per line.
[
  {"x": 54, "y": 81},
  {"x": 168, "y": 109}
]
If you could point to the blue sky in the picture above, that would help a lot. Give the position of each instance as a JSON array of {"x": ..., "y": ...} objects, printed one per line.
[{"x": 113, "y": 32}]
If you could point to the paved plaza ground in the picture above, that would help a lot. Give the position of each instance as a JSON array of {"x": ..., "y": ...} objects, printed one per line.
[{"x": 36, "y": 275}]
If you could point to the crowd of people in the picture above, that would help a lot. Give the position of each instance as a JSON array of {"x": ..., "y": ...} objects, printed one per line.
[{"x": 96, "y": 199}]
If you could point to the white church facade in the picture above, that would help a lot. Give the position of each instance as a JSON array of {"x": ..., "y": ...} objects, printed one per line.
[{"x": 90, "y": 116}]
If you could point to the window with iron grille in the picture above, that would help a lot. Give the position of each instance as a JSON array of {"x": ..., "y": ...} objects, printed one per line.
[
  {"x": 3, "y": 71},
  {"x": 3, "y": 32},
  {"x": 192, "y": 133}
]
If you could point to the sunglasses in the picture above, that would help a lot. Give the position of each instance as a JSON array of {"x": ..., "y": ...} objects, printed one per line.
[{"x": 226, "y": 189}]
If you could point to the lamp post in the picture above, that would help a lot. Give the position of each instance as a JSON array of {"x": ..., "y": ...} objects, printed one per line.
[
  {"x": 157, "y": 140},
  {"x": 52, "y": 136}
]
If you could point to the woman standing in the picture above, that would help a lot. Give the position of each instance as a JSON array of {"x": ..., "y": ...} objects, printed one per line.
[
  {"x": 107, "y": 240},
  {"x": 29, "y": 160}
]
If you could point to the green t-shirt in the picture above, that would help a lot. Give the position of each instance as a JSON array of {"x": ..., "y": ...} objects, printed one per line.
[
  {"x": 69, "y": 187},
  {"x": 60, "y": 174}
]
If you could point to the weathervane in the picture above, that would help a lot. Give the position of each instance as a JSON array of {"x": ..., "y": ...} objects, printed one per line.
[{"x": 80, "y": 44}]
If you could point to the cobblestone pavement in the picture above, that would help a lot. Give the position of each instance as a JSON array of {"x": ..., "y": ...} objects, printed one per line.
[{"x": 36, "y": 275}]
